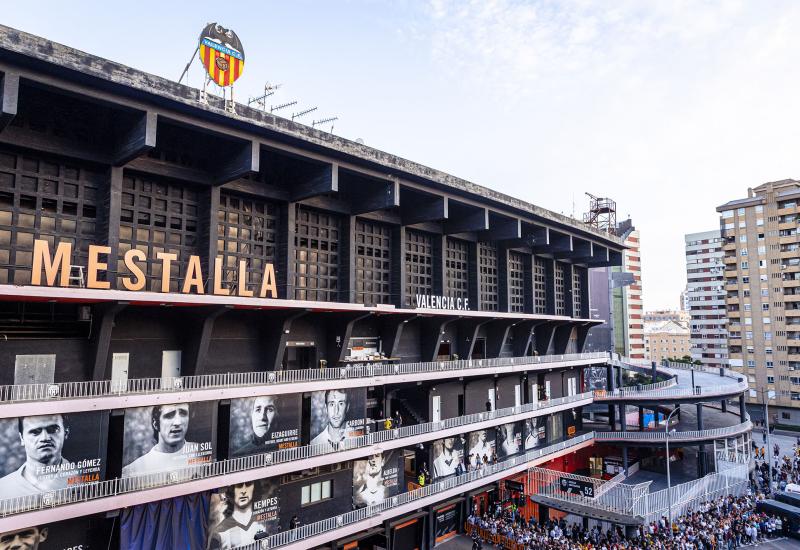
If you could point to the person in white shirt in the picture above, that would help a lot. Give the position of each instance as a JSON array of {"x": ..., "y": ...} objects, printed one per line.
[
  {"x": 171, "y": 450},
  {"x": 337, "y": 405},
  {"x": 43, "y": 439}
]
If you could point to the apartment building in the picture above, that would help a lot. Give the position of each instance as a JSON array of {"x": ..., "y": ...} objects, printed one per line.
[
  {"x": 666, "y": 340},
  {"x": 661, "y": 315},
  {"x": 628, "y": 307},
  {"x": 706, "y": 297},
  {"x": 762, "y": 283}
]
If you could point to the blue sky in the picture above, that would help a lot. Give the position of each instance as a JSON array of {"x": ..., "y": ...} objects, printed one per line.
[{"x": 670, "y": 108}]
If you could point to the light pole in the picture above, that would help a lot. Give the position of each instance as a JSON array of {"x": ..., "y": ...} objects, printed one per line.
[
  {"x": 669, "y": 480},
  {"x": 766, "y": 395}
]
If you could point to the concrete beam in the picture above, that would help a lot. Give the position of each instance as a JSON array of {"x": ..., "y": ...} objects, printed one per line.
[
  {"x": 137, "y": 140},
  {"x": 502, "y": 228},
  {"x": 243, "y": 160},
  {"x": 466, "y": 221},
  {"x": 375, "y": 197},
  {"x": 420, "y": 210},
  {"x": 101, "y": 342},
  {"x": 9, "y": 103},
  {"x": 321, "y": 181}
]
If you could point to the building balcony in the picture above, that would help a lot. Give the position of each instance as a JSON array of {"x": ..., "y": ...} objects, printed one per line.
[
  {"x": 791, "y": 283},
  {"x": 789, "y": 239},
  {"x": 111, "y": 494},
  {"x": 792, "y": 312},
  {"x": 732, "y": 300},
  {"x": 729, "y": 260},
  {"x": 791, "y": 297},
  {"x": 68, "y": 397}
]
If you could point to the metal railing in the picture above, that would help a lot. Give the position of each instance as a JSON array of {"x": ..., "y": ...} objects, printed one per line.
[
  {"x": 119, "y": 486},
  {"x": 306, "y": 531},
  {"x": 672, "y": 392},
  {"x": 109, "y": 388},
  {"x": 677, "y": 437}
]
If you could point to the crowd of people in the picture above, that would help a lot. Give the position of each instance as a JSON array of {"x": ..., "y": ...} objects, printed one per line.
[
  {"x": 723, "y": 524},
  {"x": 785, "y": 468}
]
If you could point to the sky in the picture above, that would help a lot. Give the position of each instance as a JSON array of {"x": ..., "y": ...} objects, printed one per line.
[{"x": 669, "y": 108}]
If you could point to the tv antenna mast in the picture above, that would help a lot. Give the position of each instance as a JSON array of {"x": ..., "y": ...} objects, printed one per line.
[
  {"x": 315, "y": 123},
  {"x": 261, "y": 101},
  {"x": 274, "y": 108},
  {"x": 303, "y": 113}
]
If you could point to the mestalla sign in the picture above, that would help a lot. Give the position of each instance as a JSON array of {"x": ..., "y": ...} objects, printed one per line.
[{"x": 56, "y": 266}]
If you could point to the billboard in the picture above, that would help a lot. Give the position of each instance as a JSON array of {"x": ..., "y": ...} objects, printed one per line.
[
  {"x": 73, "y": 534},
  {"x": 376, "y": 478},
  {"x": 480, "y": 444},
  {"x": 264, "y": 424},
  {"x": 509, "y": 439},
  {"x": 448, "y": 453},
  {"x": 236, "y": 514},
  {"x": 535, "y": 432},
  {"x": 51, "y": 452},
  {"x": 337, "y": 415},
  {"x": 168, "y": 437}
]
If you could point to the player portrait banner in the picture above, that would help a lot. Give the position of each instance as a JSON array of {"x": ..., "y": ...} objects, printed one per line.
[
  {"x": 509, "y": 439},
  {"x": 448, "y": 453},
  {"x": 264, "y": 424},
  {"x": 82, "y": 533},
  {"x": 168, "y": 437},
  {"x": 337, "y": 415},
  {"x": 480, "y": 447},
  {"x": 376, "y": 478},
  {"x": 51, "y": 452},
  {"x": 535, "y": 432},
  {"x": 240, "y": 512}
]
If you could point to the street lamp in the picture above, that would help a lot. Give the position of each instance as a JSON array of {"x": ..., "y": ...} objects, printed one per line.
[
  {"x": 669, "y": 481},
  {"x": 766, "y": 395}
]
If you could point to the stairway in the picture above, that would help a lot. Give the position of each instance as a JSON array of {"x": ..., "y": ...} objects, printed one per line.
[{"x": 408, "y": 411}]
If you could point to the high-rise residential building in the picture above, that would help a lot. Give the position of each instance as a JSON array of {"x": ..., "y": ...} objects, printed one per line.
[
  {"x": 666, "y": 340},
  {"x": 762, "y": 281},
  {"x": 627, "y": 298},
  {"x": 705, "y": 293},
  {"x": 683, "y": 301}
]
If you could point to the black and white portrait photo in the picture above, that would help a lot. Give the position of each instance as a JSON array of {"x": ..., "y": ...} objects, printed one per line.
[
  {"x": 448, "y": 457},
  {"x": 51, "y": 452},
  {"x": 167, "y": 437},
  {"x": 480, "y": 447},
  {"x": 535, "y": 432},
  {"x": 240, "y": 512},
  {"x": 337, "y": 415},
  {"x": 263, "y": 424},
  {"x": 375, "y": 478},
  {"x": 509, "y": 440}
]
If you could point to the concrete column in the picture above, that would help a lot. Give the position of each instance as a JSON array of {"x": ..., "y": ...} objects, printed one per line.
[
  {"x": 701, "y": 456},
  {"x": 655, "y": 372},
  {"x": 612, "y": 416},
  {"x": 622, "y": 422},
  {"x": 611, "y": 382},
  {"x": 641, "y": 419},
  {"x": 741, "y": 408},
  {"x": 625, "y": 459},
  {"x": 724, "y": 404}
]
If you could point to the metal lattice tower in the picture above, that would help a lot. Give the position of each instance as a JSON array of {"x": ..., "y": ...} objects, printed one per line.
[{"x": 602, "y": 213}]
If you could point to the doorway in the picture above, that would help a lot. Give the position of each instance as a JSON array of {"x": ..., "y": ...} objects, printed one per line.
[
  {"x": 299, "y": 357},
  {"x": 479, "y": 349}
]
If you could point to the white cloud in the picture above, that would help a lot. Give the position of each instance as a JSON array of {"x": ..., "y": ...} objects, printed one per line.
[{"x": 671, "y": 108}]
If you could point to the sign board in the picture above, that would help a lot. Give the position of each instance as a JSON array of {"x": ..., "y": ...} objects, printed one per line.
[
  {"x": 222, "y": 54},
  {"x": 517, "y": 486},
  {"x": 576, "y": 486}
]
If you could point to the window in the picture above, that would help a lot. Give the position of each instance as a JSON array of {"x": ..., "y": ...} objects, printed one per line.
[
  {"x": 316, "y": 492},
  {"x": 745, "y": 265},
  {"x": 516, "y": 282},
  {"x": 745, "y": 279},
  {"x": 764, "y": 307},
  {"x": 770, "y": 364},
  {"x": 539, "y": 286},
  {"x": 316, "y": 255},
  {"x": 373, "y": 263},
  {"x": 786, "y": 416},
  {"x": 741, "y": 211},
  {"x": 759, "y": 208},
  {"x": 742, "y": 238},
  {"x": 751, "y": 363},
  {"x": 770, "y": 379},
  {"x": 727, "y": 214},
  {"x": 767, "y": 336},
  {"x": 488, "y": 278},
  {"x": 457, "y": 268},
  {"x": 419, "y": 264}
]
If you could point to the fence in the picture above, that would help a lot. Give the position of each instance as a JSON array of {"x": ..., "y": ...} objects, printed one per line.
[
  {"x": 114, "y": 487},
  {"x": 108, "y": 388},
  {"x": 677, "y": 437},
  {"x": 496, "y": 470}
]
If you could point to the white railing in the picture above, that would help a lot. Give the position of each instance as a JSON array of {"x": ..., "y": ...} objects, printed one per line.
[
  {"x": 633, "y": 390},
  {"x": 672, "y": 392},
  {"x": 686, "y": 496},
  {"x": 108, "y": 388},
  {"x": 328, "y": 525},
  {"x": 229, "y": 466},
  {"x": 676, "y": 437}
]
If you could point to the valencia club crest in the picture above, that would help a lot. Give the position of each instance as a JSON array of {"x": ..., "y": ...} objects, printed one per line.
[{"x": 222, "y": 54}]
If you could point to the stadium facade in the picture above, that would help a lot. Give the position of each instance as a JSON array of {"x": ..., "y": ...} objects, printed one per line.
[{"x": 208, "y": 317}]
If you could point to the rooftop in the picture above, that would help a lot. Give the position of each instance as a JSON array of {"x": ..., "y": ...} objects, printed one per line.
[{"x": 33, "y": 52}]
